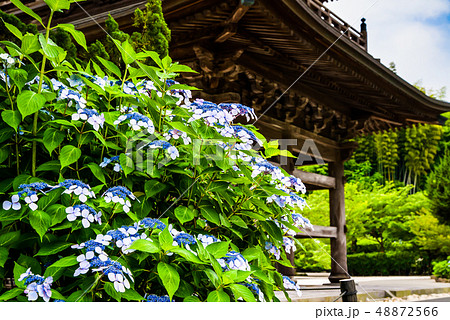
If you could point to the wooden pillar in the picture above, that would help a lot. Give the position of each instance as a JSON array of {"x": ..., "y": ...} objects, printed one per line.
[{"x": 337, "y": 219}]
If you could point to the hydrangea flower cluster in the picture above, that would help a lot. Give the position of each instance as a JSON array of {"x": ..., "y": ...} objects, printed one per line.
[
  {"x": 80, "y": 189},
  {"x": 91, "y": 116},
  {"x": 239, "y": 132},
  {"x": 136, "y": 122},
  {"x": 236, "y": 110},
  {"x": 255, "y": 289},
  {"x": 116, "y": 159},
  {"x": 120, "y": 195},
  {"x": 184, "y": 96},
  {"x": 182, "y": 238},
  {"x": 210, "y": 112},
  {"x": 177, "y": 134},
  {"x": 151, "y": 223},
  {"x": 161, "y": 144},
  {"x": 8, "y": 61},
  {"x": 206, "y": 240},
  {"x": 234, "y": 261},
  {"x": 29, "y": 192},
  {"x": 125, "y": 236},
  {"x": 88, "y": 214},
  {"x": 270, "y": 247},
  {"x": 289, "y": 245},
  {"x": 155, "y": 298},
  {"x": 291, "y": 285},
  {"x": 37, "y": 286}
]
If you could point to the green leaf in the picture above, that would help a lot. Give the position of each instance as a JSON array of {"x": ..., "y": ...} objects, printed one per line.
[
  {"x": 29, "y": 102},
  {"x": 97, "y": 171},
  {"x": 40, "y": 221},
  {"x": 145, "y": 246},
  {"x": 184, "y": 214},
  {"x": 52, "y": 139},
  {"x": 186, "y": 254},
  {"x": 51, "y": 49},
  {"x": 132, "y": 295},
  {"x": 49, "y": 199},
  {"x": 18, "y": 270},
  {"x": 218, "y": 296},
  {"x": 57, "y": 5},
  {"x": 3, "y": 256},
  {"x": 238, "y": 221},
  {"x": 111, "y": 67},
  {"x": 109, "y": 289},
  {"x": 13, "y": 29},
  {"x": 127, "y": 164},
  {"x": 57, "y": 295},
  {"x": 19, "y": 77},
  {"x": 59, "y": 266},
  {"x": 10, "y": 294},
  {"x": 127, "y": 51},
  {"x": 9, "y": 238},
  {"x": 218, "y": 249},
  {"x": 4, "y": 153},
  {"x": 12, "y": 118},
  {"x": 165, "y": 239},
  {"x": 191, "y": 299},
  {"x": 52, "y": 248},
  {"x": 52, "y": 165},
  {"x": 69, "y": 154},
  {"x": 272, "y": 229},
  {"x": 170, "y": 277},
  {"x": 210, "y": 214},
  {"x": 241, "y": 291},
  {"x": 27, "y": 10},
  {"x": 77, "y": 35},
  {"x": 153, "y": 187}
]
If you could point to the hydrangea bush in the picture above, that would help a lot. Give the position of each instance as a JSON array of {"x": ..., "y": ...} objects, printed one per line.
[{"x": 117, "y": 185}]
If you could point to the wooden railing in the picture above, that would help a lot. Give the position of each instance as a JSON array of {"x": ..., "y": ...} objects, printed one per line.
[{"x": 359, "y": 38}]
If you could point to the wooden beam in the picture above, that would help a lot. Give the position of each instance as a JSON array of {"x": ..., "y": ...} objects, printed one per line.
[
  {"x": 338, "y": 245},
  {"x": 315, "y": 179},
  {"x": 319, "y": 232},
  {"x": 231, "y": 23}
]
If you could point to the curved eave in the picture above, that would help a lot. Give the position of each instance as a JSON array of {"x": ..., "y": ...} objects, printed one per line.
[{"x": 365, "y": 62}]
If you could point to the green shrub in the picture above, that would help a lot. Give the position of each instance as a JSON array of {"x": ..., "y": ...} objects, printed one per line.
[
  {"x": 441, "y": 269},
  {"x": 314, "y": 256},
  {"x": 388, "y": 263}
]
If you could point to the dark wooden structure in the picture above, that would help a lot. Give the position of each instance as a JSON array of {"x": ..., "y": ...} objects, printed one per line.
[{"x": 305, "y": 71}]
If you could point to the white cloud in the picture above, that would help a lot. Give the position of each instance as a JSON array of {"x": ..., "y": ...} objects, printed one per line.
[{"x": 415, "y": 34}]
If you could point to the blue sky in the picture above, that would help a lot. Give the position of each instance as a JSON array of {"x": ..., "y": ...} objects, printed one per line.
[{"x": 415, "y": 34}]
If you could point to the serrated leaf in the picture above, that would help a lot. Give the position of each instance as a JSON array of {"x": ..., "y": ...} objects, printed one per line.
[
  {"x": 13, "y": 29},
  {"x": 184, "y": 214},
  {"x": 12, "y": 118},
  {"x": 132, "y": 295},
  {"x": 109, "y": 289},
  {"x": 52, "y": 248},
  {"x": 9, "y": 238},
  {"x": 97, "y": 171},
  {"x": 153, "y": 187},
  {"x": 165, "y": 239},
  {"x": 238, "y": 221},
  {"x": 241, "y": 291},
  {"x": 27, "y": 10},
  {"x": 145, "y": 246},
  {"x": 69, "y": 154},
  {"x": 78, "y": 36},
  {"x": 218, "y": 249},
  {"x": 30, "y": 102},
  {"x": 11, "y": 294},
  {"x": 210, "y": 214},
  {"x": 111, "y": 67},
  {"x": 30, "y": 44},
  {"x": 186, "y": 254},
  {"x": 218, "y": 296},
  {"x": 169, "y": 277},
  {"x": 52, "y": 139},
  {"x": 40, "y": 221},
  {"x": 127, "y": 164},
  {"x": 3, "y": 256}
]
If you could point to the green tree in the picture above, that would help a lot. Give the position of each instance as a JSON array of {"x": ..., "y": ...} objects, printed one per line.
[
  {"x": 154, "y": 33},
  {"x": 387, "y": 153},
  {"x": 438, "y": 190},
  {"x": 5, "y": 34}
]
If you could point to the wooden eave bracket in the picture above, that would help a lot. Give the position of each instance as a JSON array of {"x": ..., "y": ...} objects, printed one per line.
[{"x": 231, "y": 23}]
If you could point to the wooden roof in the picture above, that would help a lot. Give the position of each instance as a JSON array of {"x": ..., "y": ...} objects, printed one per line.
[{"x": 252, "y": 51}]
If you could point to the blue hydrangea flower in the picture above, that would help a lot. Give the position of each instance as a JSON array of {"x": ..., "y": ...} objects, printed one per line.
[
  {"x": 136, "y": 121},
  {"x": 87, "y": 213},
  {"x": 152, "y": 223},
  {"x": 236, "y": 110},
  {"x": 206, "y": 240},
  {"x": 269, "y": 246},
  {"x": 119, "y": 194},
  {"x": 37, "y": 286},
  {"x": 77, "y": 187},
  {"x": 91, "y": 116},
  {"x": 155, "y": 298},
  {"x": 116, "y": 159},
  {"x": 291, "y": 285},
  {"x": 234, "y": 261},
  {"x": 161, "y": 144}
]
